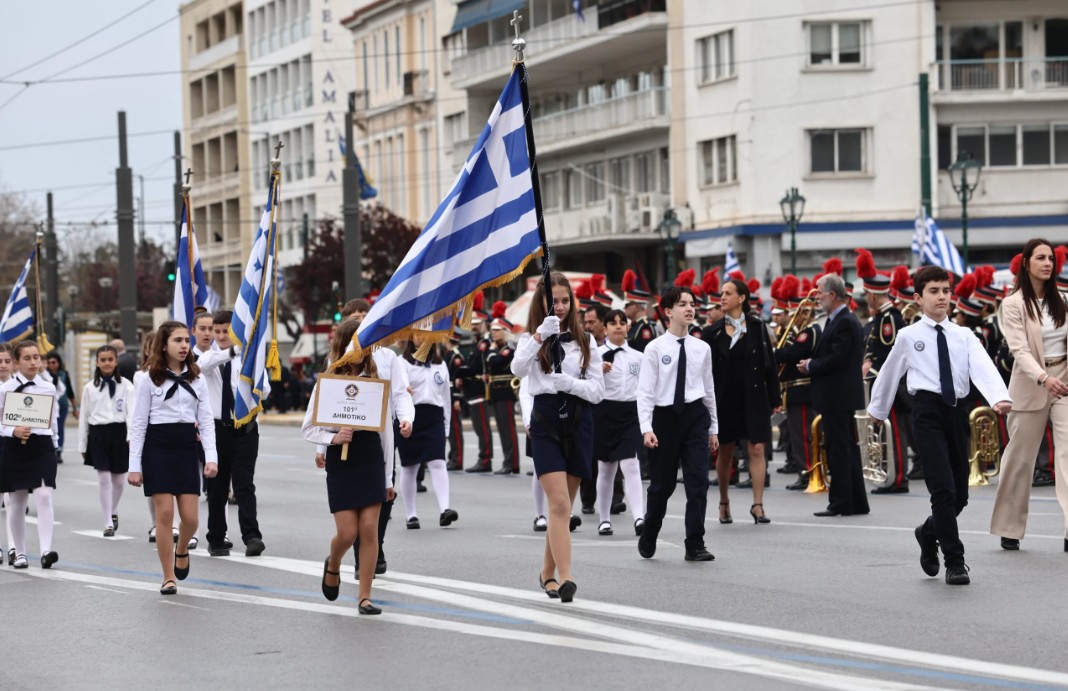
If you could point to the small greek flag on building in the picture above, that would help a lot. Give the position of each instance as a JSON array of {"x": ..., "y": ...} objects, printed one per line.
[
  {"x": 250, "y": 322},
  {"x": 213, "y": 300},
  {"x": 731, "y": 262},
  {"x": 483, "y": 234},
  {"x": 190, "y": 289},
  {"x": 936, "y": 247},
  {"x": 17, "y": 322}
]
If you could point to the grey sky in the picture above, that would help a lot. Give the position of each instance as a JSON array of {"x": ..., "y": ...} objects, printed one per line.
[{"x": 86, "y": 109}]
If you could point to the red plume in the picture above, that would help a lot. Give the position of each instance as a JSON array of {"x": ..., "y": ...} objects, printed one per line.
[
  {"x": 865, "y": 263},
  {"x": 629, "y": 279},
  {"x": 710, "y": 282},
  {"x": 833, "y": 266},
  {"x": 1062, "y": 255},
  {"x": 597, "y": 283},
  {"x": 966, "y": 286},
  {"x": 899, "y": 280},
  {"x": 776, "y": 289},
  {"x": 686, "y": 278},
  {"x": 1015, "y": 264},
  {"x": 736, "y": 274},
  {"x": 498, "y": 309},
  {"x": 754, "y": 286},
  {"x": 479, "y": 301},
  {"x": 984, "y": 276},
  {"x": 806, "y": 287},
  {"x": 584, "y": 291},
  {"x": 791, "y": 286}
]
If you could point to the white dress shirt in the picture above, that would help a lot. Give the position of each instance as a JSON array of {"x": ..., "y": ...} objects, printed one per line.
[
  {"x": 100, "y": 408},
  {"x": 915, "y": 354},
  {"x": 211, "y": 366},
  {"x": 588, "y": 386},
  {"x": 656, "y": 383},
  {"x": 621, "y": 383},
  {"x": 1053, "y": 337},
  {"x": 430, "y": 386},
  {"x": 40, "y": 386},
  {"x": 152, "y": 407},
  {"x": 526, "y": 401}
]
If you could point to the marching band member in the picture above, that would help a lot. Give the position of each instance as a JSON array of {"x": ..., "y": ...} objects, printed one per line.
[
  {"x": 636, "y": 304},
  {"x": 1036, "y": 328},
  {"x": 477, "y": 392},
  {"x": 28, "y": 463},
  {"x": 561, "y": 422},
  {"x": 501, "y": 396},
  {"x": 939, "y": 359},
  {"x": 797, "y": 393},
  {"x": 456, "y": 360},
  {"x": 171, "y": 403},
  {"x": 102, "y": 435}
]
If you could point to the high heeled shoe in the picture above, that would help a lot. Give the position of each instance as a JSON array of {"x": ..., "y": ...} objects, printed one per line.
[
  {"x": 330, "y": 592},
  {"x": 761, "y": 518},
  {"x": 726, "y": 520}
]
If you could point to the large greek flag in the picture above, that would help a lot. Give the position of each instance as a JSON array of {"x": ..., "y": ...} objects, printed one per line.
[
  {"x": 483, "y": 234},
  {"x": 731, "y": 263},
  {"x": 17, "y": 322},
  {"x": 251, "y": 319},
  {"x": 190, "y": 289},
  {"x": 937, "y": 249}
]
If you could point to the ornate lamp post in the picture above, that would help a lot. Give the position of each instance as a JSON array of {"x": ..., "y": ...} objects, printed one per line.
[
  {"x": 793, "y": 208},
  {"x": 964, "y": 175},
  {"x": 669, "y": 230}
]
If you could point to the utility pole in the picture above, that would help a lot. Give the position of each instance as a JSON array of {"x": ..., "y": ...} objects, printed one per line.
[
  {"x": 304, "y": 235},
  {"x": 52, "y": 276},
  {"x": 127, "y": 266},
  {"x": 141, "y": 211},
  {"x": 351, "y": 209},
  {"x": 177, "y": 190}
]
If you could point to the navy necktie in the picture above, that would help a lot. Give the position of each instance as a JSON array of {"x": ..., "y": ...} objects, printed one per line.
[
  {"x": 680, "y": 378},
  {"x": 181, "y": 380},
  {"x": 109, "y": 382},
  {"x": 945, "y": 368},
  {"x": 227, "y": 392},
  {"x": 22, "y": 386},
  {"x": 610, "y": 355}
]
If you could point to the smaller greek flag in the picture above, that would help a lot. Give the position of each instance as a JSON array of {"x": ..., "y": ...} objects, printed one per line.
[
  {"x": 366, "y": 191},
  {"x": 577, "y": 6},
  {"x": 17, "y": 322},
  {"x": 213, "y": 300},
  {"x": 731, "y": 262},
  {"x": 936, "y": 247},
  {"x": 190, "y": 289}
]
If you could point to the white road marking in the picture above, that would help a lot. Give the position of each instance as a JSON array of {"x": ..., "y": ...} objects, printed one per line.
[
  {"x": 100, "y": 534},
  {"x": 602, "y": 542},
  {"x": 110, "y": 590},
  {"x": 182, "y": 604},
  {"x": 33, "y": 521}
]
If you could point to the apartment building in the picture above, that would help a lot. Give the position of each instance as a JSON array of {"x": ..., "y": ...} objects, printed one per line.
[{"x": 215, "y": 144}]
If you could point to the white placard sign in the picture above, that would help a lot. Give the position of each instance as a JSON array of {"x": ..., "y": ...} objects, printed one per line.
[
  {"x": 357, "y": 403},
  {"x": 33, "y": 410}
]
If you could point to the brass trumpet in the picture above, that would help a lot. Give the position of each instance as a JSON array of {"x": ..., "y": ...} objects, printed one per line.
[
  {"x": 817, "y": 462},
  {"x": 794, "y": 327},
  {"x": 516, "y": 381},
  {"x": 984, "y": 448}
]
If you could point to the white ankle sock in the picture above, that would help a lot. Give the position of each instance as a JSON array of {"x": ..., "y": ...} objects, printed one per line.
[{"x": 407, "y": 488}]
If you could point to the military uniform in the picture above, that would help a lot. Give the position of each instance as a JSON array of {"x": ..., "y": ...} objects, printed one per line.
[
  {"x": 641, "y": 333},
  {"x": 476, "y": 393},
  {"x": 502, "y": 399},
  {"x": 456, "y": 359},
  {"x": 798, "y": 397},
  {"x": 885, "y": 325}
]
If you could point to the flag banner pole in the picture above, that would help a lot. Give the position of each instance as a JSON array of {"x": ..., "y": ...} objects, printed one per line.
[{"x": 42, "y": 339}]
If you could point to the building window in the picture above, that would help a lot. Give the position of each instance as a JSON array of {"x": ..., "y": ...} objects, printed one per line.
[
  {"x": 1011, "y": 146},
  {"x": 550, "y": 190},
  {"x": 837, "y": 44},
  {"x": 455, "y": 129},
  {"x": 594, "y": 173},
  {"x": 715, "y": 57},
  {"x": 619, "y": 176},
  {"x": 718, "y": 161},
  {"x": 574, "y": 189},
  {"x": 644, "y": 173},
  {"x": 838, "y": 151}
]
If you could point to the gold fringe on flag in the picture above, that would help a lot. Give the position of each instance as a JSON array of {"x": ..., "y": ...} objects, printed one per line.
[{"x": 43, "y": 346}]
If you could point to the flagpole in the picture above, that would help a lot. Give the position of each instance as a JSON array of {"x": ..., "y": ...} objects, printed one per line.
[
  {"x": 42, "y": 339},
  {"x": 189, "y": 235}
]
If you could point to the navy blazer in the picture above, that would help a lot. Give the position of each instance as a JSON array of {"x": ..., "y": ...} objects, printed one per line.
[{"x": 836, "y": 364}]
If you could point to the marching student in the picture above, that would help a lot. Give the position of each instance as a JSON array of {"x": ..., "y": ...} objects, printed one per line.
[
  {"x": 28, "y": 463},
  {"x": 170, "y": 404},
  {"x": 102, "y": 435},
  {"x": 615, "y": 421},
  {"x": 431, "y": 394},
  {"x": 938, "y": 357},
  {"x": 677, "y": 418},
  {"x": 564, "y": 369},
  {"x": 526, "y": 407},
  {"x": 356, "y": 488},
  {"x": 6, "y": 367}
]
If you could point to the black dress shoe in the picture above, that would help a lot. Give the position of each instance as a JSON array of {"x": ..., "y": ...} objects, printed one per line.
[
  {"x": 699, "y": 554},
  {"x": 746, "y": 483},
  {"x": 618, "y": 508},
  {"x": 1042, "y": 480},
  {"x": 48, "y": 558},
  {"x": 957, "y": 574},
  {"x": 369, "y": 608},
  {"x": 1010, "y": 544},
  {"x": 587, "y": 510},
  {"x": 413, "y": 523},
  {"x": 218, "y": 551},
  {"x": 479, "y": 468},
  {"x": 226, "y": 543},
  {"x": 575, "y": 522},
  {"x": 1066, "y": 544},
  {"x": 181, "y": 573},
  {"x": 381, "y": 565},
  {"x": 789, "y": 469},
  {"x": 567, "y": 591},
  {"x": 801, "y": 484},
  {"x": 448, "y": 517},
  {"x": 928, "y": 552},
  {"x": 828, "y": 512},
  {"x": 330, "y": 592},
  {"x": 114, "y": 521},
  {"x": 254, "y": 547},
  {"x": 453, "y": 466},
  {"x": 647, "y": 545},
  {"x": 541, "y": 525},
  {"x": 916, "y": 473},
  {"x": 890, "y": 489},
  {"x": 507, "y": 471},
  {"x": 420, "y": 488}
]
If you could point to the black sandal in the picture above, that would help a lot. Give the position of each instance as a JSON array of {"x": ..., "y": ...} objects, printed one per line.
[
  {"x": 171, "y": 589},
  {"x": 181, "y": 574},
  {"x": 330, "y": 592},
  {"x": 726, "y": 520},
  {"x": 369, "y": 608},
  {"x": 554, "y": 593}
]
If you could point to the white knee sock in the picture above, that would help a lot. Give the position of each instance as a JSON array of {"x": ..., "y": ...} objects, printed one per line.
[
  {"x": 407, "y": 488},
  {"x": 45, "y": 517},
  {"x": 16, "y": 519},
  {"x": 118, "y": 483},
  {"x": 632, "y": 487},
  {"x": 107, "y": 487},
  {"x": 539, "y": 497},
  {"x": 439, "y": 479},
  {"x": 606, "y": 480}
]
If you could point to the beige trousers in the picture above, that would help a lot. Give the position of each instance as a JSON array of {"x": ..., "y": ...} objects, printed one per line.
[{"x": 1026, "y": 428}]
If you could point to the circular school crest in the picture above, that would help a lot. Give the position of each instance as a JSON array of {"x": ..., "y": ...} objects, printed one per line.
[
  {"x": 919, "y": 345},
  {"x": 666, "y": 359},
  {"x": 351, "y": 391},
  {"x": 438, "y": 378},
  {"x": 157, "y": 391},
  {"x": 27, "y": 401}
]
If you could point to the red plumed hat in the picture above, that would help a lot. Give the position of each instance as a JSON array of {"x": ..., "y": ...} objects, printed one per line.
[
  {"x": 791, "y": 287},
  {"x": 597, "y": 283},
  {"x": 1062, "y": 255},
  {"x": 900, "y": 279},
  {"x": 966, "y": 286},
  {"x": 629, "y": 279},
  {"x": 754, "y": 286},
  {"x": 686, "y": 278},
  {"x": 833, "y": 266},
  {"x": 1016, "y": 263},
  {"x": 710, "y": 282},
  {"x": 984, "y": 276},
  {"x": 584, "y": 291},
  {"x": 737, "y": 275},
  {"x": 498, "y": 309},
  {"x": 806, "y": 286},
  {"x": 478, "y": 301},
  {"x": 865, "y": 263},
  {"x": 776, "y": 288}
]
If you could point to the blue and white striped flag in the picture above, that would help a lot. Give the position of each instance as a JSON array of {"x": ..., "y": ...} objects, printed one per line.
[
  {"x": 213, "y": 300},
  {"x": 250, "y": 321},
  {"x": 937, "y": 249},
  {"x": 17, "y": 322},
  {"x": 483, "y": 234},
  {"x": 731, "y": 262},
  {"x": 190, "y": 289},
  {"x": 577, "y": 6}
]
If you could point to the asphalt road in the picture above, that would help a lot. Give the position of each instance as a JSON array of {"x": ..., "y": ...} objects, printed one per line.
[{"x": 802, "y": 602}]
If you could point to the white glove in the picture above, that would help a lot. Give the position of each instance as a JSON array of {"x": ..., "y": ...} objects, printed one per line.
[
  {"x": 563, "y": 382},
  {"x": 550, "y": 327}
]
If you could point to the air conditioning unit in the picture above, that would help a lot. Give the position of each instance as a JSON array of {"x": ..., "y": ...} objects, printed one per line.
[
  {"x": 650, "y": 217},
  {"x": 615, "y": 213}
]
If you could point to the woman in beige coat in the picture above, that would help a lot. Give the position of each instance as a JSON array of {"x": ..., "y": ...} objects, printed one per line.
[{"x": 1034, "y": 319}]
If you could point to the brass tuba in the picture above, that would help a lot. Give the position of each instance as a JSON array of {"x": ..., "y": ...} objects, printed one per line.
[
  {"x": 817, "y": 462},
  {"x": 984, "y": 447}
]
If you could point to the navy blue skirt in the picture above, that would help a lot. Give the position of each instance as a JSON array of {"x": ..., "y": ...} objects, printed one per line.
[
  {"x": 108, "y": 449},
  {"x": 562, "y": 445},
  {"x": 29, "y": 465},
  {"x": 359, "y": 481},
  {"x": 169, "y": 459},
  {"x": 427, "y": 441},
  {"x": 617, "y": 434}
]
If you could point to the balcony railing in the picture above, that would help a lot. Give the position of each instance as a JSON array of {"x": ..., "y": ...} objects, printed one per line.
[
  {"x": 637, "y": 107},
  {"x": 1009, "y": 74},
  {"x": 221, "y": 253}
]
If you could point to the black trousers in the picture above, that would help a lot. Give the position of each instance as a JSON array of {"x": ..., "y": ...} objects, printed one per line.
[
  {"x": 942, "y": 432},
  {"x": 504, "y": 414},
  {"x": 238, "y": 449},
  {"x": 847, "y": 494},
  {"x": 456, "y": 440},
  {"x": 799, "y": 419},
  {"x": 683, "y": 440},
  {"x": 479, "y": 413}
]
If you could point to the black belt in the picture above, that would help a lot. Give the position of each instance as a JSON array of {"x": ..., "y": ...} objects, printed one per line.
[
  {"x": 229, "y": 424},
  {"x": 1056, "y": 361},
  {"x": 930, "y": 395}
]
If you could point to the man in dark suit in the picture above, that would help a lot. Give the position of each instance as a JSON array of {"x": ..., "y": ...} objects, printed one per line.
[
  {"x": 837, "y": 393},
  {"x": 127, "y": 361}
]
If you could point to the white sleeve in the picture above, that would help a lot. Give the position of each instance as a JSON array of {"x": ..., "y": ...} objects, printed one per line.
[
  {"x": 592, "y": 387},
  {"x": 138, "y": 421},
  {"x": 206, "y": 422},
  {"x": 83, "y": 420},
  {"x": 319, "y": 436},
  {"x": 526, "y": 356},
  {"x": 403, "y": 406},
  {"x": 984, "y": 373},
  {"x": 710, "y": 395},
  {"x": 526, "y": 401},
  {"x": 884, "y": 390},
  {"x": 647, "y": 390},
  {"x": 213, "y": 360}
]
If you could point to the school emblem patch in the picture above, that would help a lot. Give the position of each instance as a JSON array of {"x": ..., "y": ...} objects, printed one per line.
[
  {"x": 119, "y": 405},
  {"x": 28, "y": 401},
  {"x": 635, "y": 368},
  {"x": 438, "y": 378},
  {"x": 351, "y": 391},
  {"x": 919, "y": 345},
  {"x": 647, "y": 333},
  {"x": 888, "y": 329},
  {"x": 666, "y": 359}
]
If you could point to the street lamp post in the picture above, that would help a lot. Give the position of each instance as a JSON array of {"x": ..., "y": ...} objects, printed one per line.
[
  {"x": 793, "y": 208},
  {"x": 72, "y": 291},
  {"x": 106, "y": 283},
  {"x": 669, "y": 232},
  {"x": 964, "y": 175}
]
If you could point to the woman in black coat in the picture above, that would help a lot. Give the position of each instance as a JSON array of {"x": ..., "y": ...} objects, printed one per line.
[{"x": 747, "y": 392}]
